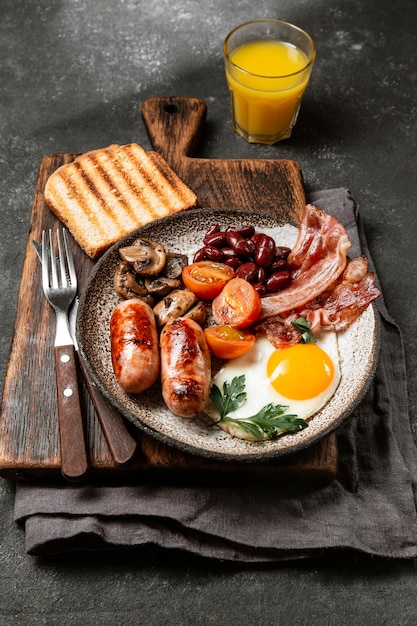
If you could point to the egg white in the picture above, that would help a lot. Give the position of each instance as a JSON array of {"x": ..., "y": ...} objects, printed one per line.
[{"x": 258, "y": 387}]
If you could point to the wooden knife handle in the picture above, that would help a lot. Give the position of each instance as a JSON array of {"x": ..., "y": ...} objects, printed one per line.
[
  {"x": 120, "y": 442},
  {"x": 173, "y": 125},
  {"x": 74, "y": 464}
]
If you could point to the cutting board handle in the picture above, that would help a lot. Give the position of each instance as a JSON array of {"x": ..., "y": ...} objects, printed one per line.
[{"x": 173, "y": 125}]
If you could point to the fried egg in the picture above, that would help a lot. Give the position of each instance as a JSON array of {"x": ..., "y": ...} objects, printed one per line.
[{"x": 302, "y": 377}]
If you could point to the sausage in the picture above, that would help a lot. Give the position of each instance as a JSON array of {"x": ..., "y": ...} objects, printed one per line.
[
  {"x": 134, "y": 345},
  {"x": 185, "y": 367}
]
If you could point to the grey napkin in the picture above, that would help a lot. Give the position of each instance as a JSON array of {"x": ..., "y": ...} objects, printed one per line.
[{"x": 370, "y": 507}]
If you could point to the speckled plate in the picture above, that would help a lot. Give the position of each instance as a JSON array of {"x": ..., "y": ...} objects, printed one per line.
[{"x": 183, "y": 232}]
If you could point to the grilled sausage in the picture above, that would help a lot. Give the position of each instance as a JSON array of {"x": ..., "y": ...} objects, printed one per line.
[
  {"x": 185, "y": 367},
  {"x": 134, "y": 345}
]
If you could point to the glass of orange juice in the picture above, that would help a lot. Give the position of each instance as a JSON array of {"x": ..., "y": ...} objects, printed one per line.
[{"x": 268, "y": 65}]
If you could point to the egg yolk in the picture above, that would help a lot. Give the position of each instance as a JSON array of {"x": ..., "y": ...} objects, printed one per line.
[{"x": 300, "y": 372}]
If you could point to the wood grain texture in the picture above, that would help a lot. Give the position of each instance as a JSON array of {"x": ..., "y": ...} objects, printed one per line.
[
  {"x": 274, "y": 186},
  {"x": 121, "y": 443},
  {"x": 74, "y": 463},
  {"x": 29, "y": 435}
]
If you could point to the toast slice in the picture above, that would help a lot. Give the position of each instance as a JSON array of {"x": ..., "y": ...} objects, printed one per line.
[{"x": 107, "y": 193}]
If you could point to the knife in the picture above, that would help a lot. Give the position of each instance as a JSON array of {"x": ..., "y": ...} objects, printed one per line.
[{"x": 121, "y": 444}]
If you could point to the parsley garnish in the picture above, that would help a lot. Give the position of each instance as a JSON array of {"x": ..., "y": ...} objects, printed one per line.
[
  {"x": 304, "y": 327},
  {"x": 233, "y": 396},
  {"x": 268, "y": 422}
]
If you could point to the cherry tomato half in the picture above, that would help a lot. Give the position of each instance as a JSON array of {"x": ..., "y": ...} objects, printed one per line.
[
  {"x": 238, "y": 304},
  {"x": 226, "y": 342},
  {"x": 206, "y": 278}
]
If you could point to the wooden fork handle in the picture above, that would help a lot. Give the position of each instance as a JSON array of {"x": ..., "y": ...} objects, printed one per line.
[{"x": 74, "y": 464}]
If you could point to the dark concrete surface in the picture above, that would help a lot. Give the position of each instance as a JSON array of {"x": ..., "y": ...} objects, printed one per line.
[{"x": 72, "y": 76}]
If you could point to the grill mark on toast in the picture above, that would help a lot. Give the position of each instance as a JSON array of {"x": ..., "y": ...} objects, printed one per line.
[
  {"x": 82, "y": 191},
  {"x": 113, "y": 203},
  {"x": 137, "y": 184},
  {"x": 147, "y": 185},
  {"x": 164, "y": 188},
  {"x": 182, "y": 193}
]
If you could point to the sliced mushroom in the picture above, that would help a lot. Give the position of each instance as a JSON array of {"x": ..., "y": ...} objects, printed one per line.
[
  {"x": 198, "y": 313},
  {"x": 148, "y": 299},
  {"x": 161, "y": 285},
  {"x": 126, "y": 284},
  {"x": 175, "y": 262},
  {"x": 147, "y": 257},
  {"x": 176, "y": 304}
]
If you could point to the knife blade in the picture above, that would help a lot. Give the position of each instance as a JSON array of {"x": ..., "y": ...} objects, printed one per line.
[{"x": 121, "y": 444}]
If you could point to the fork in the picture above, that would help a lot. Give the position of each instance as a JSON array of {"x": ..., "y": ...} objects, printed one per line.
[{"x": 59, "y": 282}]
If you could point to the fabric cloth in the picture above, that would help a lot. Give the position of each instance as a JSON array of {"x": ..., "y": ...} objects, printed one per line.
[{"x": 370, "y": 507}]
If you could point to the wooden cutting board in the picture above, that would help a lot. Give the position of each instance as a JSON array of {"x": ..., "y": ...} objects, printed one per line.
[
  {"x": 270, "y": 185},
  {"x": 29, "y": 438}
]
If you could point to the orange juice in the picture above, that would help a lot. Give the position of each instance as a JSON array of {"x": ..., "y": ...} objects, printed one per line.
[{"x": 266, "y": 79}]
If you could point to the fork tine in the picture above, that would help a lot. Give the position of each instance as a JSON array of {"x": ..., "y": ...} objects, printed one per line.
[
  {"x": 64, "y": 280},
  {"x": 54, "y": 268},
  {"x": 52, "y": 257},
  {"x": 70, "y": 260},
  {"x": 45, "y": 262}
]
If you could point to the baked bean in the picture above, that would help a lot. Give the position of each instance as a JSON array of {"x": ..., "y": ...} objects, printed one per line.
[
  {"x": 233, "y": 238},
  {"x": 200, "y": 255},
  {"x": 282, "y": 252},
  {"x": 260, "y": 288},
  {"x": 261, "y": 275},
  {"x": 243, "y": 248},
  {"x": 217, "y": 239},
  {"x": 213, "y": 254},
  {"x": 278, "y": 281},
  {"x": 248, "y": 271},
  {"x": 234, "y": 262},
  {"x": 214, "y": 228},
  {"x": 245, "y": 231},
  {"x": 278, "y": 266},
  {"x": 229, "y": 253},
  {"x": 264, "y": 249},
  {"x": 254, "y": 256}
]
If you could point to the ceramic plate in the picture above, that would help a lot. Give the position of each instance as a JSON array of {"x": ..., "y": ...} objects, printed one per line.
[{"x": 183, "y": 232}]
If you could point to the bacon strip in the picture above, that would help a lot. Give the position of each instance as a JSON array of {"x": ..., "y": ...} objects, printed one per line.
[
  {"x": 318, "y": 258},
  {"x": 346, "y": 301},
  {"x": 280, "y": 331},
  {"x": 336, "y": 308}
]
